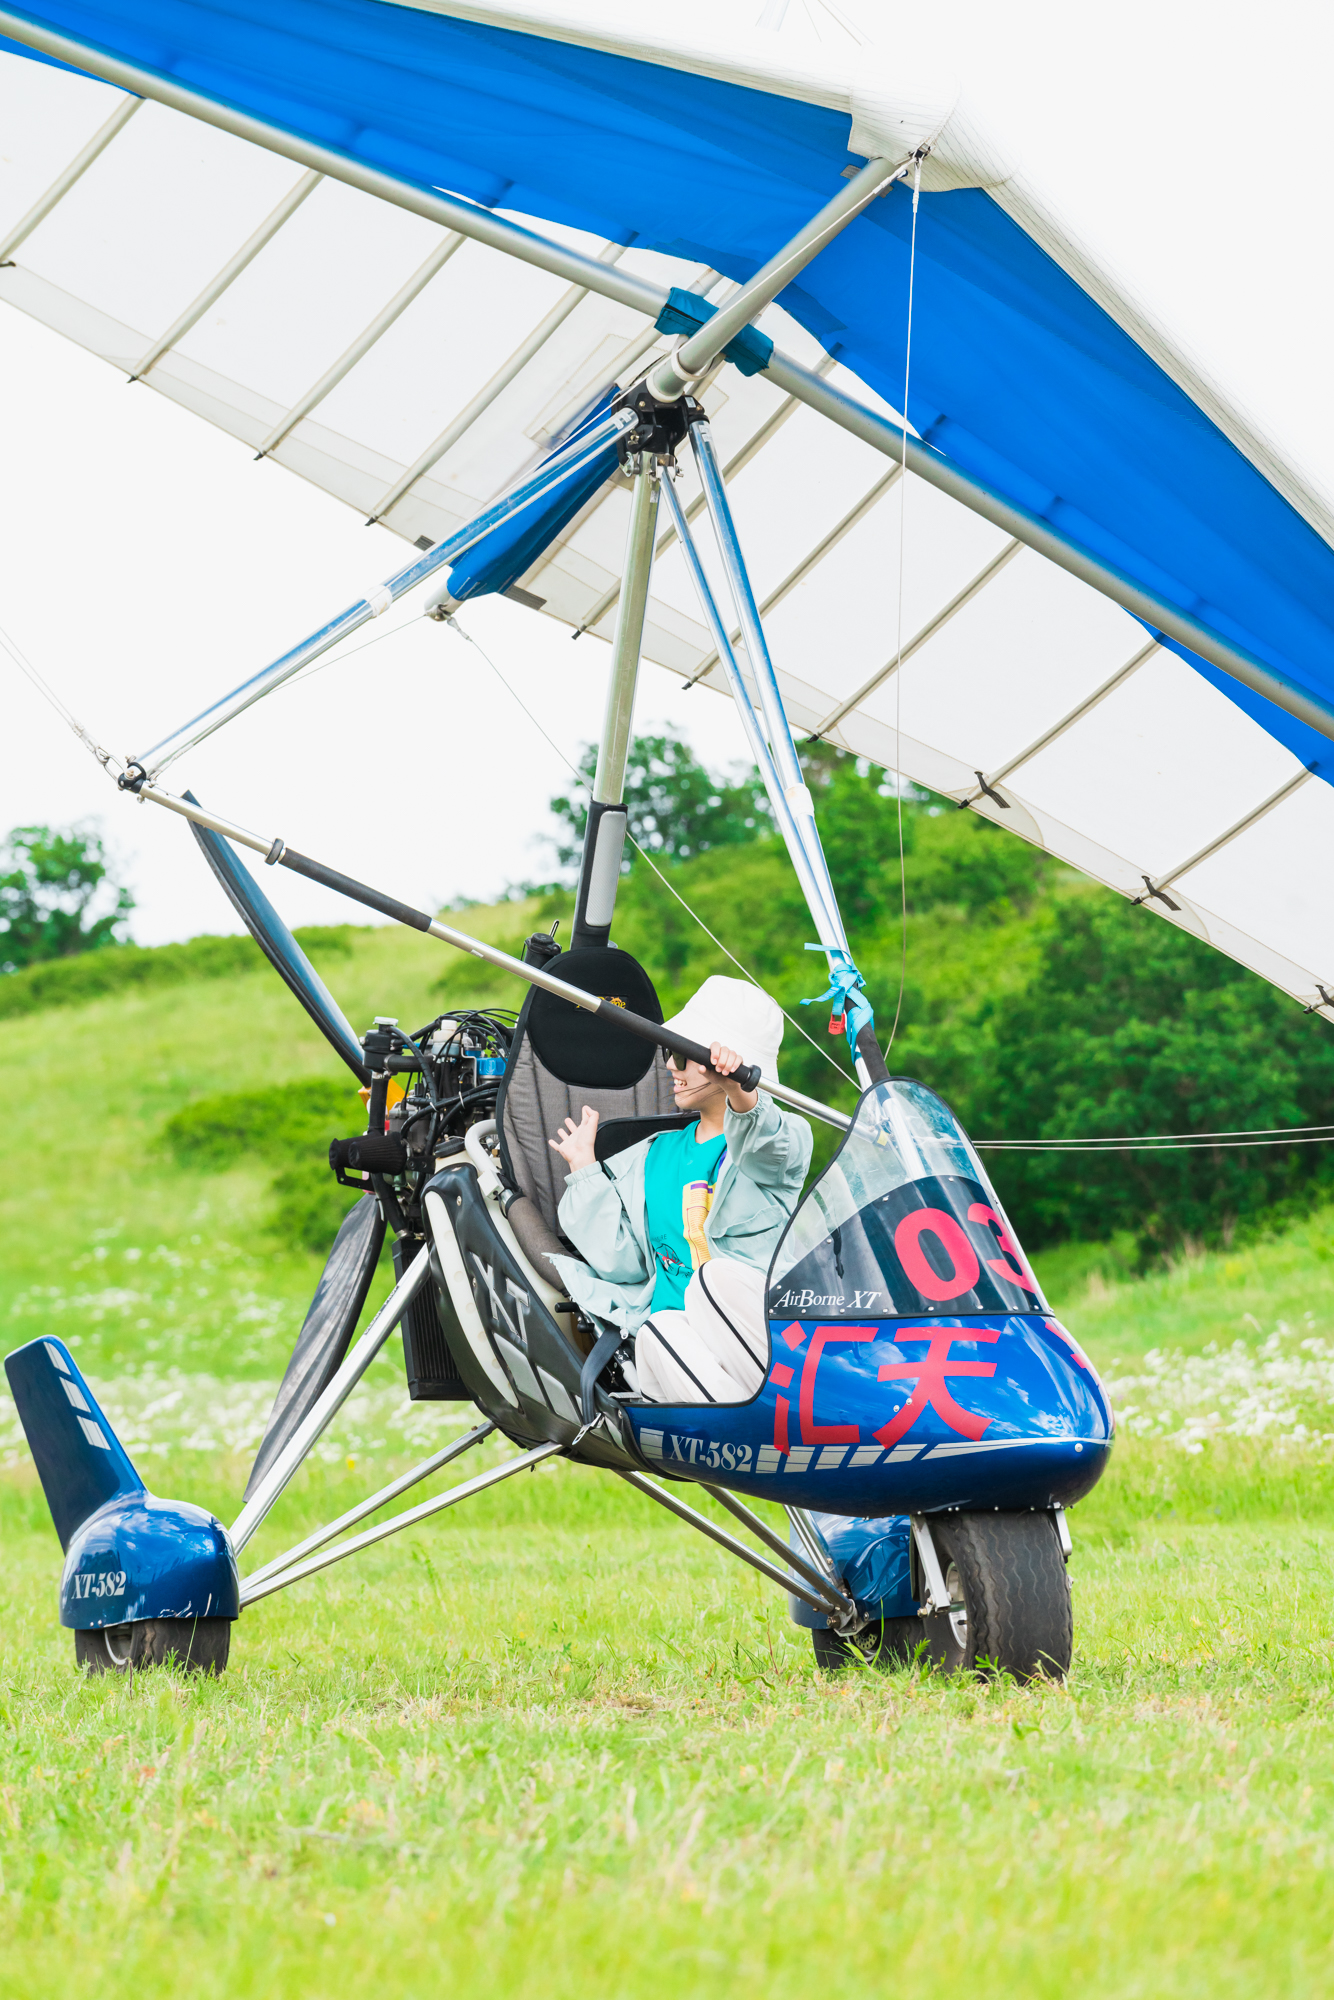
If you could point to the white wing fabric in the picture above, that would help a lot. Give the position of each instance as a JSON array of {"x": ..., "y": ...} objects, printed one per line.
[{"x": 413, "y": 374}]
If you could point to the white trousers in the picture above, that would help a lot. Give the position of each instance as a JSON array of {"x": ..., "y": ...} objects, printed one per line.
[{"x": 717, "y": 1349}]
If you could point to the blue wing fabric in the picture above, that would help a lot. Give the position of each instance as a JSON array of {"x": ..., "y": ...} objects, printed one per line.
[
  {"x": 501, "y": 557},
  {"x": 1019, "y": 376}
]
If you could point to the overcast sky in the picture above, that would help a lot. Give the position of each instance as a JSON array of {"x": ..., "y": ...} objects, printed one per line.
[{"x": 147, "y": 561}]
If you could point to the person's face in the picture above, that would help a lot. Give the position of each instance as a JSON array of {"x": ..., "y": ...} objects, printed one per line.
[{"x": 696, "y": 1088}]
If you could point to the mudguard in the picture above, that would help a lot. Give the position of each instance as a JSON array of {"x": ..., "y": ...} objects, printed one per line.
[
  {"x": 128, "y": 1555},
  {"x": 873, "y": 1558}
]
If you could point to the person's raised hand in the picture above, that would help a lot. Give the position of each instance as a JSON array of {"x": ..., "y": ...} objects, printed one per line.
[
  {"x": 575, "y": 1143},
  {"x": 724, "y": 1061}
]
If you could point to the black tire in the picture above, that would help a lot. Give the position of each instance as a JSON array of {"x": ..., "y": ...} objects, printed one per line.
[
  {"x": 1008, "y": 1573},
  {"x": 195, "y": 1645},
  {"x": 892, "y": 1643}
]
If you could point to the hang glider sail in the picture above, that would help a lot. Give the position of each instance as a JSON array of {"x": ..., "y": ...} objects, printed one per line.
[{"x": 408, "y": 250}]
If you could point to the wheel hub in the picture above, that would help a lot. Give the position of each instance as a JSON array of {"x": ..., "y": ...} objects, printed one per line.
[{"x": 958, "y": 1608}]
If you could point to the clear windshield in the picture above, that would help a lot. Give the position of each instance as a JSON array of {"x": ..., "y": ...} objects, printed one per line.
[{"x": 903, "y": 1221}]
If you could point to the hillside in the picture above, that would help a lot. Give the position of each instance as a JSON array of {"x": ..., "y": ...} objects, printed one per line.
[{"x": 155, "y": 1253}]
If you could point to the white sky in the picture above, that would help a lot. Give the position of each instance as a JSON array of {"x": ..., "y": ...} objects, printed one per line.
[{"x": 146, "y": 563}]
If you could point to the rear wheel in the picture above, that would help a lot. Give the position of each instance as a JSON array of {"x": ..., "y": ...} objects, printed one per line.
[
  {"x": 1010, "y": 1596},
  {"x": 197, "y": 1645},
  {"x": 891, "y": 1643}
]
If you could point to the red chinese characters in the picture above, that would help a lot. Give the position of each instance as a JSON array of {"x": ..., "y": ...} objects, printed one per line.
[{"x": 932, "y": 1374}]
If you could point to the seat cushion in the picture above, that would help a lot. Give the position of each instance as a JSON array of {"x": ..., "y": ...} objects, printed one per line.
[{"x": 536, "y": 1241}]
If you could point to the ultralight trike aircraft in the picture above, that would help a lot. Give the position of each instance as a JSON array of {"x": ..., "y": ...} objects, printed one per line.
[{"x": 1108, "y": 569}]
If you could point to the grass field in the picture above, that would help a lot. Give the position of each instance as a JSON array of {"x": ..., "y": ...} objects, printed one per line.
[{"x": 554, "y": 1745}]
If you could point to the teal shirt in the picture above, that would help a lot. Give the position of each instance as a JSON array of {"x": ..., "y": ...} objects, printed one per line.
[{"x": 680, "y": 1175}]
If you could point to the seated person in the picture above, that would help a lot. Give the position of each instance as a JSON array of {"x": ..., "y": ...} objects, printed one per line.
[{"x": 679, "y": 1231}]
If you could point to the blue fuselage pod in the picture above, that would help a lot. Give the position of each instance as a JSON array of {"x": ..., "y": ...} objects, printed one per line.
[
  {"x": 891, "y": 1416},
  {"x": 913, "y": 1363},
  {"x": 148, "y": 1558}
]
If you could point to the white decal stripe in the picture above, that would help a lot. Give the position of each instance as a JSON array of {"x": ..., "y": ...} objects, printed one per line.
[
  {"x": 57, "y": 1357},
  {"x": 650, "y": 1443},
  {"x": 75, "y": 1395},
  {"x": 995, "y": 1444},
  {"x": 559, "y": 1397},
  {"x": 460, "y": 1292},
  {"x": 524, "y": 1379},
  {"x": 770, "y": 1459},
  {"x": 93, "y": 1434}
]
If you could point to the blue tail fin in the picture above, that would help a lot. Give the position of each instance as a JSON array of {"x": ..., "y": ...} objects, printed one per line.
[{"x": 80, "y": 1460}]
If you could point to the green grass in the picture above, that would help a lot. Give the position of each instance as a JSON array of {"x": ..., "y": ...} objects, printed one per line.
[
  {"x": 553, "y": 1744},
  {"x": 558, "y": 1747}
]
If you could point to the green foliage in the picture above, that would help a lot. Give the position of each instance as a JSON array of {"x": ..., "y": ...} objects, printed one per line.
[
  {"x": 70, "y": 982},
  {"x": 675, "y": 807},
  {"x": 288, "y": 1127},
  {"x": 968, "y": 864},
  {"x": 970, "y": 896},
  {"x": 50, "y": 878},
  {"x": 1130, "y": 1026}
]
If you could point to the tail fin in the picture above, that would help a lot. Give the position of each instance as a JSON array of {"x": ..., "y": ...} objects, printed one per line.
[{"x": 80, "y": 1460}]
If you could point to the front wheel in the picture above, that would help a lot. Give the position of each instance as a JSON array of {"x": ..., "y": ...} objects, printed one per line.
[
  {"x": 1009, "y": 1596},
  {"x": 197, "y": 1645},
  {"x": 894, "y": 1642}
]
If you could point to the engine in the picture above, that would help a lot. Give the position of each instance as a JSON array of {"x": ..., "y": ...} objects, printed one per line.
[{"x": 426, "y": 1090}]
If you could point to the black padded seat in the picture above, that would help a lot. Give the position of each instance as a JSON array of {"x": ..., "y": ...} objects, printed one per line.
[{"x": 535, "y": 1102}]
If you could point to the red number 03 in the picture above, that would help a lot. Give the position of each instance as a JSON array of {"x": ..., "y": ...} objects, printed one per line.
[
  {"x": 1010, "y": 1264},
  {"x": 965, "y": 1269}
]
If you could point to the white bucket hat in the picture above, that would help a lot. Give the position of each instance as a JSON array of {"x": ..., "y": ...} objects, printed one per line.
[{"x": 739, "y": 1015}]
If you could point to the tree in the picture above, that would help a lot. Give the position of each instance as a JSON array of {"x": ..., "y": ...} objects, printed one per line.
[
  {"x": 676, "y": 808},
  {"x": 51, "y": 882},
  {"x": 1127, "y": 1027}
]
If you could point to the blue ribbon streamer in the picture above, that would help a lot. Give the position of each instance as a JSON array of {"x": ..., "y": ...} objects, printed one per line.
[
  {"x": 845, "y": 989},
  {"x": 686, "y": 312}
]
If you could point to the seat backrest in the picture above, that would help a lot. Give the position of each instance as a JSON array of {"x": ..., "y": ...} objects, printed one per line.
[
  {"x": 536, "y": 1106},
  {"x": 535, "y": 1101}
]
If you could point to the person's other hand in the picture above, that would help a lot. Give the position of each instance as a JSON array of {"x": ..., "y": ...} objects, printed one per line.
[
  {"x": 574, "y": 1142},
  {"x": 724, "y": 1061}
]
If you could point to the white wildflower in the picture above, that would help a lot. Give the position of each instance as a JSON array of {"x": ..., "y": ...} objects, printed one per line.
[{"x": 1277, "y": 1386}]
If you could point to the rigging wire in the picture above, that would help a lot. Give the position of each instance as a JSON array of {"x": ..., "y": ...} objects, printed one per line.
[
  {"x": 1095, "y": 1148},
  {"x": 336, "y": 659},
  {"x": 1169, "y": 1142},
  {"x": 579, "y": 779},
  {"x": 898, "y": 645},
  {"x": 44, "y": 688}
]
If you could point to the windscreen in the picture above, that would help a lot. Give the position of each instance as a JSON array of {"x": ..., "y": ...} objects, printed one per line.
[{"x": 902, "y": 1222}]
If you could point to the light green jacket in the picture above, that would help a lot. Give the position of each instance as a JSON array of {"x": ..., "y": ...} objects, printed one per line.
[{"x": 602, "y": 1211}]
